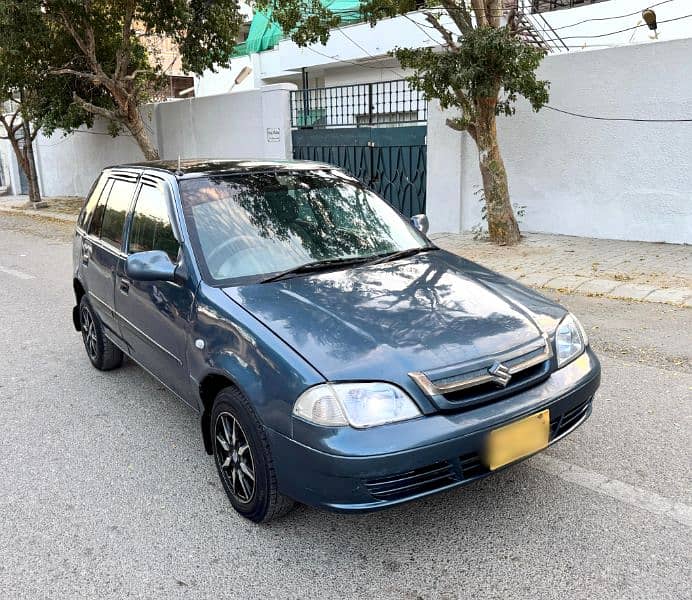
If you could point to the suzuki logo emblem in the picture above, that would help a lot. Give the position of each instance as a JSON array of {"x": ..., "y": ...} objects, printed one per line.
[{"x": 500, "y": 373}]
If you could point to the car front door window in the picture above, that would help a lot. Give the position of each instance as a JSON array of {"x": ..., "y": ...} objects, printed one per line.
[{"x": 151, "y": 228}]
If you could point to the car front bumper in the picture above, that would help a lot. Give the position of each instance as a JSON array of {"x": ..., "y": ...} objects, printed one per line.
[{"x": 364, "y": 470}]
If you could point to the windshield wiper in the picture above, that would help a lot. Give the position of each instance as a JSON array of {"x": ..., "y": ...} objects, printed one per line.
[
  {"x": 316, "y": 266},
  {"x": 402, "y": 254}
]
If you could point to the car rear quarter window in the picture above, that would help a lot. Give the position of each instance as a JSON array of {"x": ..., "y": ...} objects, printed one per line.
[
  {"x": 99, "y": 208},
  {"x": 91, "y": 201},
  {"x": 117, "y": 205},
  {"x": 151, "y": 226}
]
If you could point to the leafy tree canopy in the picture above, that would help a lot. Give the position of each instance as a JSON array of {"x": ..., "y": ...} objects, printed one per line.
[
  {"x": 115, "y": 50},
  {"x": 29, "y": 49},
  {"x": 478, "y": 64}
]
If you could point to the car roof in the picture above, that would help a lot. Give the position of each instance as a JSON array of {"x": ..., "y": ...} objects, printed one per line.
[{"x": 188, "y": 168}]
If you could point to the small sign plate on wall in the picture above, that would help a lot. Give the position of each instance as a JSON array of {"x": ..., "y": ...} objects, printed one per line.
[{"x": 273, "y": 134}]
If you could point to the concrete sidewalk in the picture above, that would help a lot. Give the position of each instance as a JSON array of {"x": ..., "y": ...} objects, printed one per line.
[
  {"x": 640, "y": 271},
  {"x": 60, "y": 208}
]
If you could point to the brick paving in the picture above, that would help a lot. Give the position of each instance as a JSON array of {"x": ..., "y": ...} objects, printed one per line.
[{"x": 644, "y": 271}]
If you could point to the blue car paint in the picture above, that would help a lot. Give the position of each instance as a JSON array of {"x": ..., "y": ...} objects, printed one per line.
[{"x": 275, "y": 340}]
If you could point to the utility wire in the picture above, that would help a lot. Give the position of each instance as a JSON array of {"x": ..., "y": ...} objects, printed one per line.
[
  {"x": 350, "y": 39},
  {"x": 344, "y": 60},
  {"x": 629, "y": 119},
  {"x": 639, "y": 12},
  {"x": 501, "y": 13},
  {"x": 553, "y": 108},
  {"x": 600, "y": 35}
]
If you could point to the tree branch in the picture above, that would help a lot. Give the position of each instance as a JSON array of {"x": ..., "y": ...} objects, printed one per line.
[
  {"x": 90, "y": 76},
  {"x": 479, "y": 9},
  {"x": 493, "y": 12},
  {"x": 87, "y": 45},
  {"x": 11, "y": 136},
  {"x": 459, "y": 15},
  {"x": 443, "y": 31},
  {"x": 122, "y": 56},
  {"x": 13, "y": 119},
  {"x": 95, "y": 110}
]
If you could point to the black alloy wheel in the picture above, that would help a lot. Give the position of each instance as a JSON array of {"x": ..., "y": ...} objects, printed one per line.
[
  {"x": 243, "y": 458},
  {"x": 102, "y": 353},
  {"x": 233, "y": 451}
]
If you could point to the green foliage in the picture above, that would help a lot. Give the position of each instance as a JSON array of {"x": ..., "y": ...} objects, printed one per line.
[
  {"x": 490, "y": 62},
  {"x": 73, "y": 60},
  {"x": 487, "y": 61},
  {"x": 55, "y": 50},
  {"x": 481, "y": 66},
  {"x": 308, "y": 21},
  {"x": 29, "y": 49},
  {"x": 205, "y": 31}
]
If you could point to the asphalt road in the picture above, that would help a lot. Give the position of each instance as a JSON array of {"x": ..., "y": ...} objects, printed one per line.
[{"x": 105, "y": 491}]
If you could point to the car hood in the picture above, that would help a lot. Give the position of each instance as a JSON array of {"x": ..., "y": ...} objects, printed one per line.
[{"x": 382, "y": 321}]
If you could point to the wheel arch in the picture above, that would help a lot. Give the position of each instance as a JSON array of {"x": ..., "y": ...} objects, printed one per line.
[
  {"x": 209, "y": 387},
  {"x": 79, "y": 292}
]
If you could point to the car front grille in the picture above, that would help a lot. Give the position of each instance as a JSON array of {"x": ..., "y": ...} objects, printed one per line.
[
  {"x": 411, "y": 483},
  {"x": 487, "y": 379},
  {"x": 490, "y": 392},
  {"x": 463, "y": 469},
  {"x": 564, "y": 423}
]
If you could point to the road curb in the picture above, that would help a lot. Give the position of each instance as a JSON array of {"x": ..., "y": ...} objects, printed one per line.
[{"x": 40, "y": 213}]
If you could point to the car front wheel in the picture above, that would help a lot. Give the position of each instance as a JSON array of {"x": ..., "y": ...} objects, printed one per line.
[{"x": 243, "y": 459}]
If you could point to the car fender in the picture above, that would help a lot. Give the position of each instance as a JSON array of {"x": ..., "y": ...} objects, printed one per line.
[{"x": 228, "y": 342}]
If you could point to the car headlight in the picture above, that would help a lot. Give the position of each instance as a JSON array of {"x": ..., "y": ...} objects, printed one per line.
[
  {"x": 570, "y": 340},
  {"x": 359, "y": 405}
]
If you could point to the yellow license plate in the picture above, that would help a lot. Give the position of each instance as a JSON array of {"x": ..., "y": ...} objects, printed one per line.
[{"x": 518, "y": 440}]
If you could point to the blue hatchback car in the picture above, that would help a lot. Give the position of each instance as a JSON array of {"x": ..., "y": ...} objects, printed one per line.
[{"x": 335, "y": 355}]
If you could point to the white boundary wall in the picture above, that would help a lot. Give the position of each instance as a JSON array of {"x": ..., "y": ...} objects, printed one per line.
[
  {"x": 253, "y": 124},
  {"x": 604, "y": 179}
]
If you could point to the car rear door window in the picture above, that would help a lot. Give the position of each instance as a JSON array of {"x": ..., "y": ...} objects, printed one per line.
[
  {"x": 151, "y": 226},
  {"x": 116, "y": 210}
]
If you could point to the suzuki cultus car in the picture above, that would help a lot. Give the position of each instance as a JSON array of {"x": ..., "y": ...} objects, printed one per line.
[{"x": 335, "y": 355}]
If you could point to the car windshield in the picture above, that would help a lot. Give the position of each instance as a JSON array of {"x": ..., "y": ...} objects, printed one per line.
[{"x": 253, "y": 225}]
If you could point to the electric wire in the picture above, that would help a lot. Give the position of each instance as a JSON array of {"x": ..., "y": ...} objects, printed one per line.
[
  {"x": 627, "y": 119},
  {"x": 553, "y": 108}
]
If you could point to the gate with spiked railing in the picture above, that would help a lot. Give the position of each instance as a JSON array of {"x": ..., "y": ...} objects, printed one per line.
[{"x": 375, "y": 131}]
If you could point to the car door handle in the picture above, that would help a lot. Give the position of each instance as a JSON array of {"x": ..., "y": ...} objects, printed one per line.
[
  {"x": 125, "y": 286},
  {"x": 86, "y": 253}
]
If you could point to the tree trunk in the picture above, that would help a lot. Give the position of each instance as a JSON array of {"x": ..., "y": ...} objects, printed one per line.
[
  {"x": 502, "y": 225},
  {"x": 29, "y": 165},
  {"x": 135, "y": 124}
]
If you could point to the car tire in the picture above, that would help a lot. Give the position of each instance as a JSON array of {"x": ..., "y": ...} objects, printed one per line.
[
  {"x": 102, "y": 353},
  {"x": 243, "y": 459}
]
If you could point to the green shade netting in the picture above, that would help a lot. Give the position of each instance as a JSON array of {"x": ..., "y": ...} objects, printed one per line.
[{"x": 264, "y": 33}]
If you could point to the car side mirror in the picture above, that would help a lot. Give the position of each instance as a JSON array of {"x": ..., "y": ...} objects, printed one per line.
[
  {"x": 421, "y": 223},
  {"x": 154, "y": 265}
]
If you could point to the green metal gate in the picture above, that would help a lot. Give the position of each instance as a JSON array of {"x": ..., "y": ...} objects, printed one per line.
[
  {"x": 390, "y": 161},
  {"x": 373, "y": 131}
]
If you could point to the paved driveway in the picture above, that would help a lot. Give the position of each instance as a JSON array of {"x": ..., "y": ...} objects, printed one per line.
[{"x": 105, "y": 491}]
